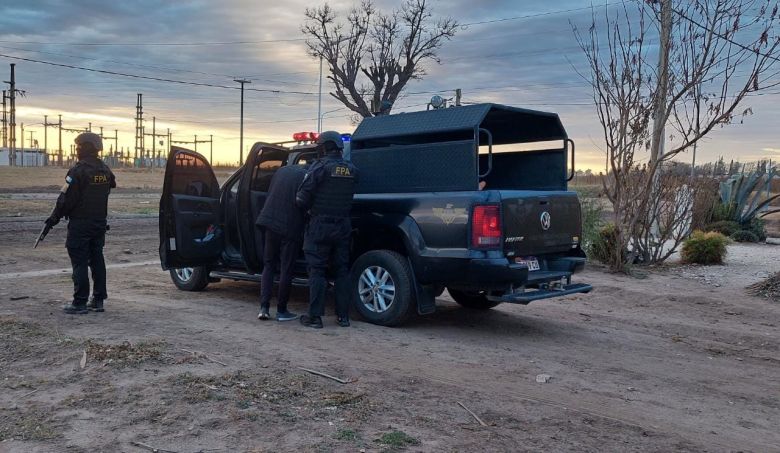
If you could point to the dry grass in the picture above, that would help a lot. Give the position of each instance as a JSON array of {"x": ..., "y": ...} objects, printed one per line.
[
  {"x": 125, "y": 353},
  {"x": 47, "y": 179},
  {"x": 769, "y": 288}
]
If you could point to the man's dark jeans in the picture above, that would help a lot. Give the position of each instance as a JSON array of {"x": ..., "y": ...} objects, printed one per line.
[
  {"x": 86, "y": 238},
  {"x": 282, "y": 250}
]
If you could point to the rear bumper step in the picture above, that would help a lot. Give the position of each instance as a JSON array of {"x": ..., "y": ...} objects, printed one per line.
[{"x": 537, "y": 294}]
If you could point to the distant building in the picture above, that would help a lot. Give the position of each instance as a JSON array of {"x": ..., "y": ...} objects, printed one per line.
[{"x": 25, "y": 157}]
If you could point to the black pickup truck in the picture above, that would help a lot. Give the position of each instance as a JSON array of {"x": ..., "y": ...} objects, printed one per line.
[{"x": 445, "y": 201}]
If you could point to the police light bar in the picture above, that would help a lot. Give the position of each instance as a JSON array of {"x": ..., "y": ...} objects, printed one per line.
[{"x": 305, "y": 136}]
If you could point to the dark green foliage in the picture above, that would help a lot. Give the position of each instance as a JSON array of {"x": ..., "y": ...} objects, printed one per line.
[
  {"x": 724, "y": 227},
  {"x": 591, "y": 223},
  {"x": 398, "y": 439},
  {"x": 605, "y": 245},
  {"x": 756, "y": 226},
  {"x": 722, "y": 212},
  {"x": 744, "y": 236},
  {"x": 704, "y": 248}
]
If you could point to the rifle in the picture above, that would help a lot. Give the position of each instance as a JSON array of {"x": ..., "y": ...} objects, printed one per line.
[{"x": 45, "y": 230}]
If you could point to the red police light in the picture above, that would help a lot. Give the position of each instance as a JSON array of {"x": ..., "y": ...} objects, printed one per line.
[{"x": 305, "y": 136}]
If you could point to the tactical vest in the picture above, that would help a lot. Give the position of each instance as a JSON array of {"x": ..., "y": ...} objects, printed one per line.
[
  {"x": 334, "y": 195},
  {"x": 94, "y": 180}
]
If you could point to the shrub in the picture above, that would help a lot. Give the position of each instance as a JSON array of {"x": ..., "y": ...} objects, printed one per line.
[
  {"x": 724, "y": 227},
  {"x": 704, "y": 248},
  {"x": 744, "y": 236},
  {"x": 756, "y": 226},
  {"x": 591, "y": 222},
  {"x": 605, "y": 245}
]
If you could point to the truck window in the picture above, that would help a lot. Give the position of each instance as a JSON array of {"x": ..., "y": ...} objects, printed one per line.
[
  {"x": 193, "y": 177},
  {"x": 270, "y": 161}
]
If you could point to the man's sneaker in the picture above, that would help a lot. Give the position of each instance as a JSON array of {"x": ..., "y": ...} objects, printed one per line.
[
  {"x": 343, "y": 322},
  {"x": 95, "y": 305},
  {"x": 264, "y": 315},
  {"x": 74, "y": 309},
  {"x": 311, "y": 321},
  {"x": 285, "y": 316}
]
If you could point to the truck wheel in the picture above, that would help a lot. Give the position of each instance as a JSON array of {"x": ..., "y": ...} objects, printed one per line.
[
  {"x": 382, "y": 287},
  {"x": 472, "y": 299},
  {"x": 190, "y": 278}
]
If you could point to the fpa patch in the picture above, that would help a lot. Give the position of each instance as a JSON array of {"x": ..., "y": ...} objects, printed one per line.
[
  {"x": 99, "y": 179},
  {"x": 341, "y": 172}
]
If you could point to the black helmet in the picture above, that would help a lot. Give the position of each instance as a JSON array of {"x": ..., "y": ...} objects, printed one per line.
[
  {"x": 91, "y": 138},
  {"x": 331, "y": 136}
]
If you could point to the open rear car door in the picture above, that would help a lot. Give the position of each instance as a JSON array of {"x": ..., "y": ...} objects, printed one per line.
[
  {"x": 261, "y": 164},
  {"x": 190, "y": 230}
]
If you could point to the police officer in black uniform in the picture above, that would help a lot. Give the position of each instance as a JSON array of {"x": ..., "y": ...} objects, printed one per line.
[
  {"x": 326, "y": 192},
  {"x": 283, "y": 223},
  {"x": 84, "y": 201}
]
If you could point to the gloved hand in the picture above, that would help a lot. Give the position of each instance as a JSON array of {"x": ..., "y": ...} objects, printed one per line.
[{"x": 51, "y": 221}]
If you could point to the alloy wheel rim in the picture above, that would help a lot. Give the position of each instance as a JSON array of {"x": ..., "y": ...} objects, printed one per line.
[
  {"x": 184, "y": 274},
  {"x": 376, "y": 289}
]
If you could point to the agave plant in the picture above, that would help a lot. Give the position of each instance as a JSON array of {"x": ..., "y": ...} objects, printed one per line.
[{"x": 742, "y": 195}]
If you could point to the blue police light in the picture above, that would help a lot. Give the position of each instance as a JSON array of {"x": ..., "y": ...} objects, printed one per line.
[{"x": 346, "y": 138}]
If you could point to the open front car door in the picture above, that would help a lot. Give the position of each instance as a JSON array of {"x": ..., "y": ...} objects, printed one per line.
[{"x": 190, "y": 230}]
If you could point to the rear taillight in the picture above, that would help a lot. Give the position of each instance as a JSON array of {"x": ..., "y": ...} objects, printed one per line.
[{"x": 486, "y": 227}]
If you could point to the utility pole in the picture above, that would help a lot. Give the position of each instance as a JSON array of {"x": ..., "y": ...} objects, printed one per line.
[
  {"x": 5, "y": 123},
  {"x": 241, "y": 135},
  {"x": 659, "y": 121},
  {"x": 12, "y": 118},
  {"x": 59, "y": 150},
  {"x": 211, "y": 149},
  {"x": 139, "y": 130},
  {"x": 22, "y": 134},
  {"x": 458, "y": 96},
  {"x": 193, "y": 142},
  {"x": 154, "y": 136},
  {"x": 46, "y": 125}
]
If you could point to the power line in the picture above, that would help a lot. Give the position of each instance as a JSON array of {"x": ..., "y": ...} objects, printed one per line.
[
  {"x": 530, "y": 16},
  {"x": 162, "y": 68},
  {"x": 153, "y": 44},
  {"x": 158, "y": 79},
  {"x": 725, "y": 38}
]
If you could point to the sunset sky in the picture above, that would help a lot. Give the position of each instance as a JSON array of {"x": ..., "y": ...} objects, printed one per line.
[{"x": 514, "y": 52}]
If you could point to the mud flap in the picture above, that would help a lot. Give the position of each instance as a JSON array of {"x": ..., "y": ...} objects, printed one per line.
[{"x": 425, "y": 295}]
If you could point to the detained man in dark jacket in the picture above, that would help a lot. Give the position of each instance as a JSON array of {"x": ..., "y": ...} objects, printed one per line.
[
  {"x": 84, "y": 202},
  {"x": 283, "y": 223}
]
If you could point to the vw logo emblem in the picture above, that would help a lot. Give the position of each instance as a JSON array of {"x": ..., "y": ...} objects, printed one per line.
[{"x": 545, "y": 219}]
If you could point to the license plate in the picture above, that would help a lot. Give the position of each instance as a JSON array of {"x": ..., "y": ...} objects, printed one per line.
[{"x": 531, "y": 262}]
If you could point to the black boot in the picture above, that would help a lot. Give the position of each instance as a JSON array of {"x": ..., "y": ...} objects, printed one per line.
[
  {"x": 75, "y": 309},
  {"x": 311, "y": 321},
  {"x": 95, "y": 305},
  {"x": 343, "y": 321}
]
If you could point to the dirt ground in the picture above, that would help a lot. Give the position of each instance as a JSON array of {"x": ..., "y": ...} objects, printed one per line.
[{"x": 682, "y": 360}]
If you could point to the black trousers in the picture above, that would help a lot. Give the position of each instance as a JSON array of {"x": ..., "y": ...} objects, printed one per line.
[
  {"x": 283, "y": 251},
  {"x": 86, "y": 238},
  {"x": 327, "y": 242}
]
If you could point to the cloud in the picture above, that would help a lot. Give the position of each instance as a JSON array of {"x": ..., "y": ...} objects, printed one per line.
[{"x": 528, "y": 62}]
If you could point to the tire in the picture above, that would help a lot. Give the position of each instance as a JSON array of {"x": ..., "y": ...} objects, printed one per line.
[
  {"x": 388, "y": 304},
  {"x": 476, "y": 300},
  {"x": 190, "y": 278}
]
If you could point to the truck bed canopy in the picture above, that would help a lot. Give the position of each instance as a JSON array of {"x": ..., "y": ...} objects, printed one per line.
[{"x": 508, "y": 125}]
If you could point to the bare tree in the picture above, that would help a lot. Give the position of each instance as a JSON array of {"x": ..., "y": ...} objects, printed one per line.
[
  {"x": 714, "y": 55},
  {"x": 374, "y": 55}
]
